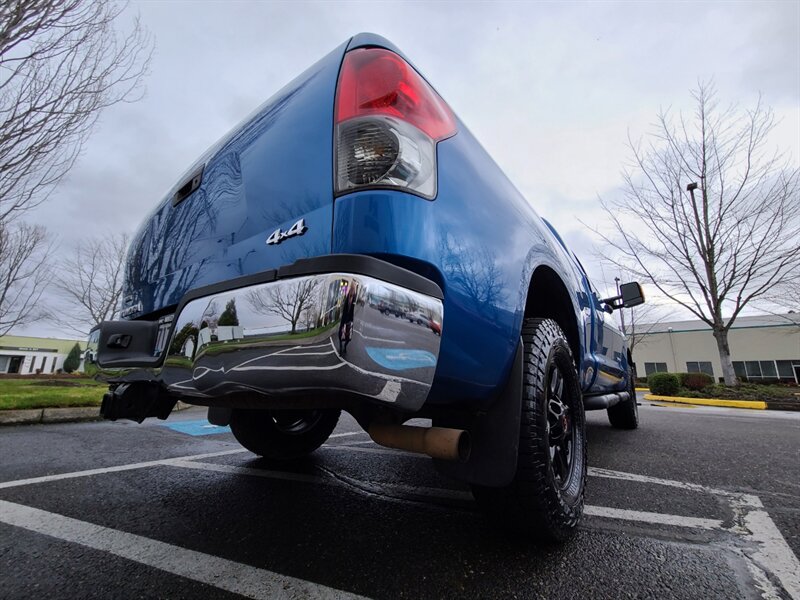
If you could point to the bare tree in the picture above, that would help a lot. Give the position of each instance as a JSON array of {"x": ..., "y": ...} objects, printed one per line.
[
  {"x": 90, "y": 282},
  {"x": 288, "y": 301},
  {"x": 310, "y": 316},
  {"x": 642, "y": 320},
  {"x": 785, "y": 297},
  {"x": 61, "y": 63},
  {"x": 24, "y": 274},
  {"x": 718, "y": 247}
]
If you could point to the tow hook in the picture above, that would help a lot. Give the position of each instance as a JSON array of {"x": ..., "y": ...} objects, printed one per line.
[{"x": 136, "y": 401}]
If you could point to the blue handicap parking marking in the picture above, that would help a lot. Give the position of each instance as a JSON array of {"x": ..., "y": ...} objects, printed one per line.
[
  {"x": 201, "y": 427},
  {"x": 398, "y": 359}
]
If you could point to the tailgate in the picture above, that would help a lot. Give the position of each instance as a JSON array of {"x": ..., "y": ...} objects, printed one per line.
[{"x": 266, "y": 175}]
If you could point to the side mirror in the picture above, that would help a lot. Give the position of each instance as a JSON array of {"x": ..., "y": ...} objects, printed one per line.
[{"x": 632, "y": 294}]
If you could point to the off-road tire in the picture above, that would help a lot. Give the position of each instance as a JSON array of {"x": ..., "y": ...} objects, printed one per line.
[
  {"x": 282, "y": 435},
  {"x": 537, "y": 505},
  {"x": 625, "y": 415}
]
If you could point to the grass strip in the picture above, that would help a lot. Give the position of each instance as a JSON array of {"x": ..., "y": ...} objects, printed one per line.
[{"x": 18, "y": 394}]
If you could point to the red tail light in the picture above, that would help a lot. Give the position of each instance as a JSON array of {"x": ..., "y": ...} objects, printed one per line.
[
  {"x": 388, "y": 120},
  {"x": 375, "y": 81}
]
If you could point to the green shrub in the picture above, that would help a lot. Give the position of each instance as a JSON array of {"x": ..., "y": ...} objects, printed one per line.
[
  {"x": 664, "y": 384},
  {"x": 696, "y": 381},
  {"x": 73, "y": 360}
]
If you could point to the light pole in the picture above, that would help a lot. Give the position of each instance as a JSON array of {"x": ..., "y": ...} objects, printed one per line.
[
  {"x": 672, "y": 347},
  {"x": 691, "y": 188}
]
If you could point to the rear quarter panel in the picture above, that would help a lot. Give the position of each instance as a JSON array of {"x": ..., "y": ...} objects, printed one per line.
[{"x": 481, "y": 240}]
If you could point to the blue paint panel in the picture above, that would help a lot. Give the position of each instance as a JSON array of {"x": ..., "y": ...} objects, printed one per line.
[
  {"x": 399, "y": 359},
  {"x": 267, "y": 174},
  {"x": 200, "y": 427}
]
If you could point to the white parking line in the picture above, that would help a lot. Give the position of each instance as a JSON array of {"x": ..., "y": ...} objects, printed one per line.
[
  {"x": 764, "y": 550},
  {"x": 220, "y": 573},
  {"x": 684, "y": 485},
  {"x": 116, "y": 469},
  {"x": 366, "y": 337},
  {"x": 651, "y": 517},
  {"x": 772, "y": 553},
  {"x": 446, "y": 494}
]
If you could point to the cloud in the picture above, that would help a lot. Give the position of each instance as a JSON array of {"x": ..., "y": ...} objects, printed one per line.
[{"x": 550, "y": 89}]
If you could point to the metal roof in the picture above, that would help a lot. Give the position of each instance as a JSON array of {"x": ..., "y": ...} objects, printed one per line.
[
  {"x": 742, "y": 322},
  {"x": 37, "y": 344}
]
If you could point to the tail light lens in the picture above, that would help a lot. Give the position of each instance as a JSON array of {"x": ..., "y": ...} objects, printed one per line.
[{"x": 388, "y": 120}]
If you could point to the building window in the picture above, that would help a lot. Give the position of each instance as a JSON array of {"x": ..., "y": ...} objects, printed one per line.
[
  {"x": 786, "y": 369},
  {"x": 33, "y": 362},
  {"x": 53, "y": 365},
  {"x": 654, "y": 368},
  {"x": 700, "y": 367},
  {"x": 767, "y": 369},
  {"x": 753, "y": 368},
  {"x": 41, "y": 366}
]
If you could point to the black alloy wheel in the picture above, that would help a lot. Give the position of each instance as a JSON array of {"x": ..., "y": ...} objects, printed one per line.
[
  {"x": 559, "y": 428},
  {"x": 544, "y": 502}
]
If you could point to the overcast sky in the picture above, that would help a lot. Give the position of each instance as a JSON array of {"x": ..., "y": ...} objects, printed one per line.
[{"x": 550, "y": 89}]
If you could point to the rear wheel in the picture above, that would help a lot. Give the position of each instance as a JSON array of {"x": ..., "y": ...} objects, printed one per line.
[
  {"x": 545, "y": 499},
  {"x": 283, "y": 434},
  {"x": 625, "y": 415}
]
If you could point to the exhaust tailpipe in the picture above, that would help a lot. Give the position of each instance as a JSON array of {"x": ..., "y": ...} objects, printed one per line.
[{"x": 436, "y": 442}]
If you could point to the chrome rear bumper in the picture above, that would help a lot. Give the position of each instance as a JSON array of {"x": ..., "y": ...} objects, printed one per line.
[{"x": 327, "y": 334}]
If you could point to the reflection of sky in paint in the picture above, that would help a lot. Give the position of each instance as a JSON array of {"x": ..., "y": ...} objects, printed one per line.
[{"x": 400, "y": 359}]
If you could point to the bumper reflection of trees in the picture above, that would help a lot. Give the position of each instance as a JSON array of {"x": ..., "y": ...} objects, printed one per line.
[{"x": 290, "y": 301}]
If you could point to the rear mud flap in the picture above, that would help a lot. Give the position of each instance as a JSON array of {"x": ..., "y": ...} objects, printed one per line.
[{"x": 495, "y": 437}]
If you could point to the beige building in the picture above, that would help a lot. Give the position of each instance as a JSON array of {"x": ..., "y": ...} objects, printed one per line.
[
  {"x": 29, "y": 355},
  {"x": 762, "y": 347}
]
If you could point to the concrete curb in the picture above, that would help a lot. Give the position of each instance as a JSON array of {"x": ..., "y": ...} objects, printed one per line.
[
  {"x": 15, "y": 417},
  {"x": 753, "y": 404},
  {"x": 49, "y": 415},
  {"x": 75, "y": 414}
]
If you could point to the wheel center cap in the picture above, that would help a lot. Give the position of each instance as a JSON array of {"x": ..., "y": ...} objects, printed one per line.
[{"x": 558, "y": 420}]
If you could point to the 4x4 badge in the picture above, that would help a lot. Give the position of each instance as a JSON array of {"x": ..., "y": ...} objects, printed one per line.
[{"x": 278, "y": 236}]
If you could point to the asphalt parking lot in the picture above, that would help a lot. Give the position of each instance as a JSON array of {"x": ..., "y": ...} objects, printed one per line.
[{"x": 697, "y": 503}]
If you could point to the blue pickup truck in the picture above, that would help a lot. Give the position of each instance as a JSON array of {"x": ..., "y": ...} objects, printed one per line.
[{"x": 351, "y": 246}]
